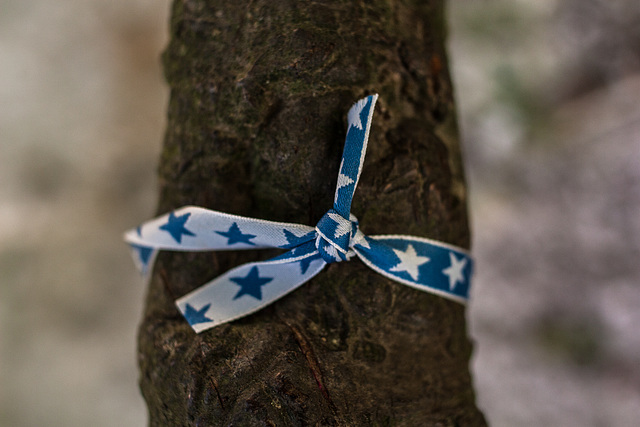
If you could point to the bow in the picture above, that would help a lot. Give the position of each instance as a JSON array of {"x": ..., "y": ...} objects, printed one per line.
[{"x": 423, "y": 264}]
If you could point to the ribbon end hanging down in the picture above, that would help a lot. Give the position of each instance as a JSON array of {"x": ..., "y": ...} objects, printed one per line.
[{"x": 249, "y": 288}]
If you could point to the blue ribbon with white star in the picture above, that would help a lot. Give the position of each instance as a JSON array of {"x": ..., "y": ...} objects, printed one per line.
[{"x": 423, "y": 264}]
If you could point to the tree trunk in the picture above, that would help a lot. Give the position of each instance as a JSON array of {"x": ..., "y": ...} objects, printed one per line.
[{"x": 257, "y": 119}]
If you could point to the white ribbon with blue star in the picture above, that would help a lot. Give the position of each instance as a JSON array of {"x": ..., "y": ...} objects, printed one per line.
[{"x": 423, "y": 264}]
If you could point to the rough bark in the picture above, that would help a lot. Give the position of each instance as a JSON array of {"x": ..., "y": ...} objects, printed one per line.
[{"x": 256, "y": 125}]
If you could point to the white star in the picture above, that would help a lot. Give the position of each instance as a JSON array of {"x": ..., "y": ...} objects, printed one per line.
[
  {"x": 354, "y": 113},
  {"x": 343, "y": 181},
  {"x": 409, "y": 261},
  {"x": 333, "y": 252},
  {"x": 361, "y": 240},
  {"x": 455, "y": 270},
  {"x": 344, "y": 226},
  {"x": 329, "y": 249}
]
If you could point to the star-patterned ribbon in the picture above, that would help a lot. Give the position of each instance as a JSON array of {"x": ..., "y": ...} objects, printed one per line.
[{"x": 423, "y": 264}]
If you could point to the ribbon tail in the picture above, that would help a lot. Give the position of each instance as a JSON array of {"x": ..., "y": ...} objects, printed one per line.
[
  {"x": 191, "y": 228},
  {"x": 423, "y": 264},
  {"x": 355, "y": 147},
  {"x": 249, "y": 288},
  {"x": 143, "y": 257}
]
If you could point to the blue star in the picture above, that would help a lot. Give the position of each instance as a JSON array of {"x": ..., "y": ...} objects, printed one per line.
[
  {"x": 235, "y": 235},
  {"x": 305, "y": 262},
  {"x": 293, "y": 240},
  {"x": 175, "y": 226},
  {"x": 144, "y": 253},
  {"x": 251, "y": 284},
  {"x": 194, "y": 316}
]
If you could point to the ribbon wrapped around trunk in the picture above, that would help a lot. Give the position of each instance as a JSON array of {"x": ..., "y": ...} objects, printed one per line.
[{"x": 421, "y": 263}]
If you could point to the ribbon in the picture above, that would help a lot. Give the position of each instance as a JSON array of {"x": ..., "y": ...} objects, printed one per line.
[{"x": 423, "y": 264}]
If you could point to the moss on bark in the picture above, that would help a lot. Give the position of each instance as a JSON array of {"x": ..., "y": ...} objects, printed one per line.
[{"x": 256, "y": 124}]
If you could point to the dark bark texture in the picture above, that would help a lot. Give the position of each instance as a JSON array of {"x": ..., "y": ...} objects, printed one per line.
[{"x": 256, "y": 124}]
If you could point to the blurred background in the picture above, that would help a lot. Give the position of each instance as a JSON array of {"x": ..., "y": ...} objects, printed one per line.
[{"x": 548, "y": 95}]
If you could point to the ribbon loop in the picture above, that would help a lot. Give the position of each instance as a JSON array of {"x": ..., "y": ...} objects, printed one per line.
[{"x": 423, "y": 264}]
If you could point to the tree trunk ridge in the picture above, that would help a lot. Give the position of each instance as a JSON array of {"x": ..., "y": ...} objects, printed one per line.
[{"x": 256, "y": 124}]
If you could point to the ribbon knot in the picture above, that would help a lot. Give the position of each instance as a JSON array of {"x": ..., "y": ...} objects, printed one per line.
[
  {"x": 336, "y": 236},
  {"x": 423, "y": 264}
]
